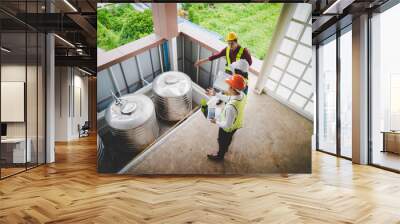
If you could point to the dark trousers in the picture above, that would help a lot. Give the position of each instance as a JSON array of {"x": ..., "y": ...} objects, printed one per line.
[{"x": 224, "y": 140}]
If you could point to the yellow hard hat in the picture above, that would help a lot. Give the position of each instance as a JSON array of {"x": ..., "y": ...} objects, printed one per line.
[{"x": 231, "y": 36}]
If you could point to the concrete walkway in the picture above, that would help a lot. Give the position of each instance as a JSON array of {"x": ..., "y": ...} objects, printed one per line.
[{"x": 275, "y": 139}]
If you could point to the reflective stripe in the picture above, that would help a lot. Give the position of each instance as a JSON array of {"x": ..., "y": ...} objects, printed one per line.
[
  {"x": 239, "y": 54},
  {"x": 228, "y": 59},
  {"x": 239, "y": 106}
]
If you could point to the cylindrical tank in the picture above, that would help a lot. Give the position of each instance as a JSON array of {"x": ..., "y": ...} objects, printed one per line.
[
  {"x": 132, "y": 121},
  {"x": 172, "y": 95}
]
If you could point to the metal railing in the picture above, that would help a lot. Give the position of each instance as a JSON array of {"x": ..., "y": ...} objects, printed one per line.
[
  {"x": 130, "y": 67},
  {"x": 126, "y": 73}
]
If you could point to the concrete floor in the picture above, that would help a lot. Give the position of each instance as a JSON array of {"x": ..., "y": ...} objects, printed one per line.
[{"x": 275, "y": 139}]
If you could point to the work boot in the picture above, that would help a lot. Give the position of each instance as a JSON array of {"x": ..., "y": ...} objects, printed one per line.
[{"x": 215, "y": 158}]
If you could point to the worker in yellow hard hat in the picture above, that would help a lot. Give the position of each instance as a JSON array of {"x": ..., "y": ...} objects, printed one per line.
[{"x": 233, "y": 52}]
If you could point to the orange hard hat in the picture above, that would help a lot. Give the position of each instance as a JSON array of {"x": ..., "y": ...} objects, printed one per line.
[{"x": 236, "y": 82}]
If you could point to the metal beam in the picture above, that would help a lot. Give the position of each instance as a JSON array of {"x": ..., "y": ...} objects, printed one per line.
[
  {"x": 86, "y": 26},
  {"x": 322, "y": 22},
  {"x": 337, "y": 7},
  {"x": 82, "y": 61},
  {"x": 49, "y": 22}
]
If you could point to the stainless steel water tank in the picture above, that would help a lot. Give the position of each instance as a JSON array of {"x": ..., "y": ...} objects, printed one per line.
[
  {"x": 172, "y": 95},
  {"x": 132, "y": 121}
]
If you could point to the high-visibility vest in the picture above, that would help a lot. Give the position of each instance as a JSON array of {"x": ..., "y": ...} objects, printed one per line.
[
  {"x": 228, "y": 59},
  {"x": 239, "y": 107}
]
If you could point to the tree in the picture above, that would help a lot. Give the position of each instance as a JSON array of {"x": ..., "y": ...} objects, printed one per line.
[
  {"x": 137, "y": 25},
  {"x": 119, "y": 24}
]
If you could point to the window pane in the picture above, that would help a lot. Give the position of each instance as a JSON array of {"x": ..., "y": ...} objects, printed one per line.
[
  {"x": 289, "y": 81},
  {"x": 308, "y": 76},
  {"x": 310, "y": 107},
  {"x": 13, "y": 82},
  {"x": 287, "y": 46},
  {"x": 304, "y": 89},
  {"x": 303, "y": 53},
  {"x": 271, "y": 85},
  {"x": 306, "y": 38},
  {"x": 283, "y": 92},
  {"x": 345, "y": 94},
  {"x": 294, "y": 30},
  {"x": 275, "y": 74},
  {"x": 298, "y": 100},
  {"x": 327, "y": 97},
  {"x": 385, "y": 93},
  {"x": 302, "y": 12},
  {"x": 281, "y": 61},
  {"x": 296, "y": 68}
]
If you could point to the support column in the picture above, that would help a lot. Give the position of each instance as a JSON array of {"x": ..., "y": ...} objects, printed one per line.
[
  {"x": 50, "y": 92},
  {"x": 50, "y": 99},
  {"x": 165, "y": 22},
  {"x": 280, "y": 32},
  {"x": 315, "y": 89},
  {"x": 360, "y": 90},
  {"x": 173, "y": 54},
  {"x": 92, "y": 89}
]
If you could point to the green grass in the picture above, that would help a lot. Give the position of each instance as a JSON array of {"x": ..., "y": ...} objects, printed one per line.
[
  {"x": 120, "y": 24},
  {"x": 254, "y": 23}
]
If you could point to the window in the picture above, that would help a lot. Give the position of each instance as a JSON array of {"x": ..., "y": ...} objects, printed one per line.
[
  {"x": 327, "y": 96},
  {"x": 394, "y": 101},
  {"x": 290, "y": 78},
  {"x": 346, "y": 93},
  {"x": 22, "y": 74},
  {"x": 385, "y": 89}
]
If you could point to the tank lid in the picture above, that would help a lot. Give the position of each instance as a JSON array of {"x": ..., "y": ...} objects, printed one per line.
[
  {"x": 128, "y": 108},
  {"x": 131, "y": 111},
  {"x": 172, "y": 84}
]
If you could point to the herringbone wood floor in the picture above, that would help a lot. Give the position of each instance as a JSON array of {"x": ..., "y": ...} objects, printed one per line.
[{"x": 70, "y": 191}]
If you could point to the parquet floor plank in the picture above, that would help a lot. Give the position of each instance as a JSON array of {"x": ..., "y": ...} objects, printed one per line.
[{"x": 71, "y": 191}]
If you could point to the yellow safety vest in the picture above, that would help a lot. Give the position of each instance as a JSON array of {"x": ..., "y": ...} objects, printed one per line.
[
  {"x": 228, "y": 59},
  {"x": 239, "y": 106}
]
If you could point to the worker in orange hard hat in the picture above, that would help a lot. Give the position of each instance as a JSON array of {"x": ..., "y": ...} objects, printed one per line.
[
  {"x": 233, "y": 52},
  {"x": 231, "y": 117}
]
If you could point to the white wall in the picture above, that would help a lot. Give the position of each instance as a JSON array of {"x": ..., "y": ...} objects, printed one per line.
[
  {"x": 70, "y": 81},
  {"x": 80, "y": 83},
  {"x": 61, "y": 103},
  {"x": 33, "y": 126},
  {"x": 12, "y": 73}
]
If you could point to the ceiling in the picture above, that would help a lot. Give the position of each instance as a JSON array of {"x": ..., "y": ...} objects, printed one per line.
[
  {"x": 75, "y": 22},
  {"x": 72, "y": 20},
  {"x": 332, "y": 15}
]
